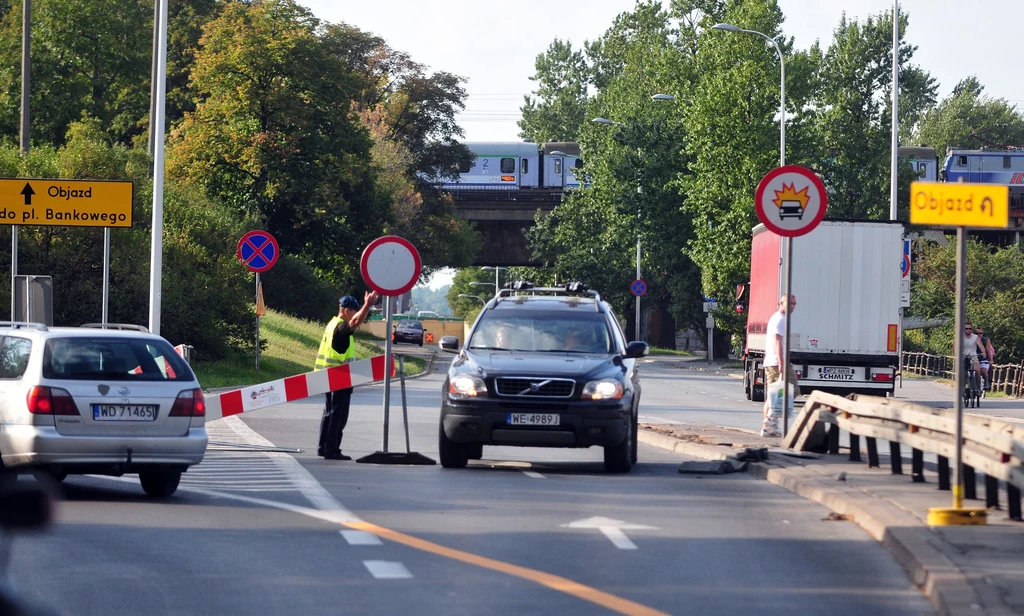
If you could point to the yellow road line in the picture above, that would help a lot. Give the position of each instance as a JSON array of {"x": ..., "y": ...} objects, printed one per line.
[{"x": 554, "y": 582}]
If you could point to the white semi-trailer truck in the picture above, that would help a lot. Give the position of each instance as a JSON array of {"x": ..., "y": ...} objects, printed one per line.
[{"x": 845, "y": 332}]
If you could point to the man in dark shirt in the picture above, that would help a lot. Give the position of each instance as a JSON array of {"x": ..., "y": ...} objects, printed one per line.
[{"x": 338, "y": 347}]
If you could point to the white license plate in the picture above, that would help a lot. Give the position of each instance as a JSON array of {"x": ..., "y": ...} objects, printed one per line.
[
  {"x": 124, "y": 412},
  {"x": 533, "y": 419},
  {"x": 836, "y": 373}
]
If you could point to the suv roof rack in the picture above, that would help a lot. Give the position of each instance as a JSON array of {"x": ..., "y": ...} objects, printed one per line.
[
  {"x": 569, "y": 290},
  {"x": 23, "y": 325},
  {"x": 118, "y": 326}
]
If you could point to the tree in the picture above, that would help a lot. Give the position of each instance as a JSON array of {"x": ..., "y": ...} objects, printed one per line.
[
  {"x": 273, "y": 135},
  {"x": 970, "y": 119},
  {"x": 467, "y": 308},
  {"x": 556, "y": 111},
  {"x": 854, "y": 117}
]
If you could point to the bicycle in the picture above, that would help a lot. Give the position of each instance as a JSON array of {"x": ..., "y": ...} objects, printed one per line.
[{"x": 972, "y": 386}]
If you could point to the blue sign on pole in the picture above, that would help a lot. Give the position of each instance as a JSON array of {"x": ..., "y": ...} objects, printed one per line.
[
  {"x": 258, "y": 250},
  {"x": 638, "y": 287}
]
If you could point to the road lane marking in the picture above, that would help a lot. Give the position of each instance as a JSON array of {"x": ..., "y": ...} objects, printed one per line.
[
  {"x": 618, "y": 538},
  {"x": 328, "y": 509},
  {"x": 358, "y": 537},
  {"x": 534, "y": 474},
  {"x": 387, "y": 570}
]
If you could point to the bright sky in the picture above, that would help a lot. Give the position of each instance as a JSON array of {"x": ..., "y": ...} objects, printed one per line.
[{"x": 494, "y": 45}]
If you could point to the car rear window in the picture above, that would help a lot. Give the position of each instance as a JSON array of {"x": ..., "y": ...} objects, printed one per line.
[
  {"x": 14, "y": 354},
  {"x": 568, "y": 331},
  {"x": 414, "y": 325},
  {"x": 118, "y": 359}
]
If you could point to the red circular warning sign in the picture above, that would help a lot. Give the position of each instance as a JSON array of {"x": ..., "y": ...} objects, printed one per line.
[
  {"x": 791, "y": 200},
  {"x": 391, "y": 265}
]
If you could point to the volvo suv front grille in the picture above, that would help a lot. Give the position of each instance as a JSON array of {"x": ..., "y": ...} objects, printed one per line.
[{"x": 534, "y": 387}]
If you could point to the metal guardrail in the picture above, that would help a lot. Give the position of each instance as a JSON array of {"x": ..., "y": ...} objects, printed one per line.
[{"x": 992, "y": 447}]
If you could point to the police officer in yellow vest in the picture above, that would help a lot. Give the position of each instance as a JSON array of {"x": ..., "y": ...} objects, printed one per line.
[{"x": 339, "y": 347}]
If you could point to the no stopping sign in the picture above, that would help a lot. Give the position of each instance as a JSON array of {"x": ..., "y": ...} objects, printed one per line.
[{"x": 391, "y": 265}]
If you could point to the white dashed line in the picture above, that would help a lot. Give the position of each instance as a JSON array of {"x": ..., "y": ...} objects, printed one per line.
[
  {"x": 387, "y": 570},
  {"x": 359, "y": 537},
  {"x": 533, "y": 474}
]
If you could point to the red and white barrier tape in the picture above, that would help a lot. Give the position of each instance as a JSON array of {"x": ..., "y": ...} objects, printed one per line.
[{"x": 295, "y": 387}]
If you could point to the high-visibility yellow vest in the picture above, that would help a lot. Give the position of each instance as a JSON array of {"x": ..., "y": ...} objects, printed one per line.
[{"x": 327, "y": 356}]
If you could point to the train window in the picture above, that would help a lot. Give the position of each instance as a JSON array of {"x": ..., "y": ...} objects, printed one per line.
[
  {"x": 1006, "y": 162},
  {"x": 961, "y": 161},
  {"x": 524, "y": 166},
  {"x": 922, "y": 169},
  {"x": 558, "y": 166},
  {"x": 579, "y": 163},
  {"x": 508, "y": 165}
]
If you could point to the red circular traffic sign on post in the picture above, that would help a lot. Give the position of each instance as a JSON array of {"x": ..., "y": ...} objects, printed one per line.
[
  {"x": 391, "y": 265},
  {"x": 638, "y": 287},
  {"x": 258, "y": 250},
  {"x": 791, "y": 200}
]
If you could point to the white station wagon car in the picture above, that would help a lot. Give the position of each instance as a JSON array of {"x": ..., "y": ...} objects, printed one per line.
[{"x": 77, "y": 400}]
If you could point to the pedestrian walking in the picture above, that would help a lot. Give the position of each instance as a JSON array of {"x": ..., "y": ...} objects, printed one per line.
[
  {"x": 773, "y": 363},
  {"x": 337, "y": 347}
]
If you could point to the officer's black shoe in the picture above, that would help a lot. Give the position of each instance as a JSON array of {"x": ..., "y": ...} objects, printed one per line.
[{"x": 337, "y": 455}]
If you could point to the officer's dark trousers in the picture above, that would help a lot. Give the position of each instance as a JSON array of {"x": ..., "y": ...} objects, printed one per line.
[{"x": 332, "y": 424}]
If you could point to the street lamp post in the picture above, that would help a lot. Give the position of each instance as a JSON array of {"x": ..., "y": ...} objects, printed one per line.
[
  {"x": 497, "y": 274},
  {"x": 482, "y": 300},
  {"x": 608, "y": 122},
  {"x": 788, "y": 242}
]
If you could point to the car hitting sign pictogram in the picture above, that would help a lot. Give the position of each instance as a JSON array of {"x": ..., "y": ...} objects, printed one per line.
[{"x": 790, "y": 200}]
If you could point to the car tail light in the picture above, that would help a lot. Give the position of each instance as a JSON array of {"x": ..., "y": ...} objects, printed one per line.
[
  {"x": 882, "y": 376},
  {"x": 44, "y": 400},
  {"x": 189, "y": 403}
]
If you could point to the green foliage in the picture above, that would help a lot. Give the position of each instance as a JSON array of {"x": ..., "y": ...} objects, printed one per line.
[
  {"x": 558, "y": 108},
  {"x": 292, "y": 287},
  {"x": 467, "y": 308},
  {"x": 970, "y": 119},
  {"x": 425, "y": 298},
  {"x": 995, "y": 290}
]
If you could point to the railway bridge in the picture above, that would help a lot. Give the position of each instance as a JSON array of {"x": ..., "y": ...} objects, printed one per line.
[{"x": 502, "y": 217}]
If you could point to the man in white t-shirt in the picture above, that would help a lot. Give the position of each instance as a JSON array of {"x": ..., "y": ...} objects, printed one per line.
[{"x": 776, "y": 331}]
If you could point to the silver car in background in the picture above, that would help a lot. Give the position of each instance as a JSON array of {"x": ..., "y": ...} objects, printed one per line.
[{"x": 77, "y": 400}]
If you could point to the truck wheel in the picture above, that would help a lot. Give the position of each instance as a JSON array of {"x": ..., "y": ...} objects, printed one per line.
[{"x": 453, "y": 455}]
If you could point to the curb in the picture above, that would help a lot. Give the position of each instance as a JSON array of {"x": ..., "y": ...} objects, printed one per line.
[{"x": 945, "y": 585}]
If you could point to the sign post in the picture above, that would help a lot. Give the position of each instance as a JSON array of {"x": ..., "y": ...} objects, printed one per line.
[
  {"x": 391, "y": 266},
  {"x": 259, "y": 251},
  {"x": 638, "y": 288},
  {"x": 959, "y": 205},
  {"x": 790, "y": 201}
]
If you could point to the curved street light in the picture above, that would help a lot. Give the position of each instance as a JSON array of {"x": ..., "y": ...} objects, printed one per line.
[
  {"x": 497, "y": 275},
  {"x": 482, "y": 300}
]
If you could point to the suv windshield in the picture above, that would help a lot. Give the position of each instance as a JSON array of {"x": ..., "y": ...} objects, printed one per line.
[
  {"x": 114, "y": 359},
  {"x": 554, "y": 331}
]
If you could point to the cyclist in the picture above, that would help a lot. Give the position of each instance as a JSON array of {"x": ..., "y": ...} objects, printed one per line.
[
  {"x": 988, "y": 357},
  {"x": 971, "y": 347}
]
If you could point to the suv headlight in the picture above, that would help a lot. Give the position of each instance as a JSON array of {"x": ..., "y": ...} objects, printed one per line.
[
  {"x": 605, "y": 389},
  {"x": 466, "y": 385}
]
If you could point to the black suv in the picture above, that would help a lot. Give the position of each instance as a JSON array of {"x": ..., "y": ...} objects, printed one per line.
[{"x": 543, "y": 367}]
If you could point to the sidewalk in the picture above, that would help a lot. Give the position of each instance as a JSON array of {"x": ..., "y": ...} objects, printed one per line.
[{"x": 962, "y": 569}]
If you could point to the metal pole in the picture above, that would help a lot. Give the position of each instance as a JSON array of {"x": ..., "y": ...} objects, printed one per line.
[
  {"x": 153, "y": 78},
  {"x": 26, "y": 82},
  {"x": 958, "y": 340},
  {"x": 894, "y": 163},
  {"x": 637, "y": 337},
  {"x": 257, "y": 322},
  {"x": 388, "y": 359},
  {"x": 106, "y": 274},
  {"x": 157, "y": 245},
  {"x": 784, "y": 368},
  {"x": 497, "y": 280},
  {"x": 405, "y": 412}
]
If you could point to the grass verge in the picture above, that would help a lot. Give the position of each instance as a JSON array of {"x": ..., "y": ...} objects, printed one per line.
[{"x": 291, "y": 346}]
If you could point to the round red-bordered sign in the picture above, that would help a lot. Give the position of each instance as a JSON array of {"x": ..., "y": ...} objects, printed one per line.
[
  {"x": 258, "y": 250},
  {"x": 791, "y": 200},
  {"x": 391, "y": 265}
]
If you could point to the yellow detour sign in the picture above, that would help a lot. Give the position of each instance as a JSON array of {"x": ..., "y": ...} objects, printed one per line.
[
  {"x": 952, "y": 204},
  {"x": 66, "y": 203}
]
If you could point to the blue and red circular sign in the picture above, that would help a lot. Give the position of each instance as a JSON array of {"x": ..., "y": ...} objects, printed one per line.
[
  {"x": 258, "y": 250},
  {"x": 638, "y": 287}
]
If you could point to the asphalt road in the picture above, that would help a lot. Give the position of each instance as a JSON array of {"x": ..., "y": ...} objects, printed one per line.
[{"x": 525, "y": 531}]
